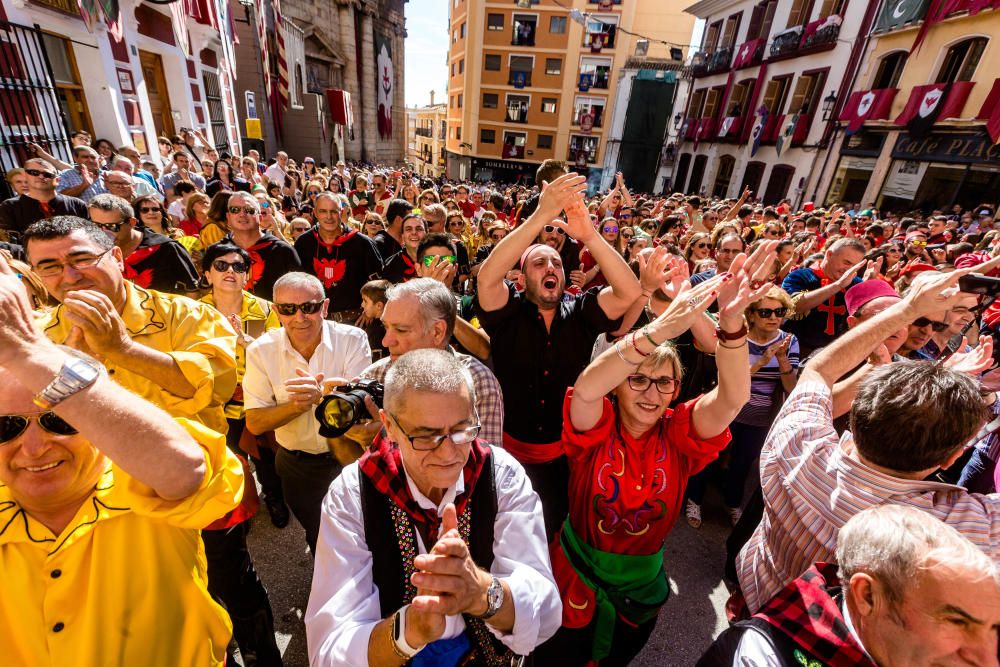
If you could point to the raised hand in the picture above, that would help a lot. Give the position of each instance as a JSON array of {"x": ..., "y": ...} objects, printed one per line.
[
  {"x": 655, "y": 269},
  {"x": 103, "y": 328},
  {"x": 751, "y": 282},
  {"x": 559, "y": 194},
  {"x": 578, "y": 224},
  {"x": 934, "y": 292},
  {"x": 975, "y": 361},
  {"x": 16, "y": 317},
  {"x": 845, "y": 280},
  {"x": 689, "y": 303},
  {"x": 440, "y": 270},
  {"x": 874, "y": 268}
]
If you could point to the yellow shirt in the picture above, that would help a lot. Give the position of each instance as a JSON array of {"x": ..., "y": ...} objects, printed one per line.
[
  {"x": 211, "y": 233},
  {"x": 125, "y": 582},
  {"x": 255, "y": 314},
  {"x": 197, "y": 336}
]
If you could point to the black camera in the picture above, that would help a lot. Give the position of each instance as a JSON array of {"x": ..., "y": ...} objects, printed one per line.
[
  {"x": 977, "y": 283},
  {"x": 343, "y": 408}
]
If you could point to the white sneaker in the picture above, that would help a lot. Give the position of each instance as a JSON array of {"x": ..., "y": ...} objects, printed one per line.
[
  {"x": 693, "y": 513},
  {"x": 734, "y": 515}
]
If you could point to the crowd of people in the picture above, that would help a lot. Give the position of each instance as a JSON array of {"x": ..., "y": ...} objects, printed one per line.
[{"x": 543, "y": 381}]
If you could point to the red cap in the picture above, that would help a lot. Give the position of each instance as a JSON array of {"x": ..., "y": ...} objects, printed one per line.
[{"x": 856, "y": 297}]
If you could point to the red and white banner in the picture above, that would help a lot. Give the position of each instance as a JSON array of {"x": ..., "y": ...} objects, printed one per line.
[
  {"x": 865, "y": 105},
  {"x": 744, "y": 57},
  {"x": 990, "y": 112},
  {"x": 940, "y": 99}
]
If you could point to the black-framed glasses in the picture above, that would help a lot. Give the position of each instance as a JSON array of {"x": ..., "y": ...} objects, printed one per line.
[
  {"x": 38, "y": 173},
  {"x": 12, "y": 426},
  {"x": 49, "y": 270},
  {"x": 937, "y": 327},
  {"x": 236, "y": 210},
  {"x": 642, "y": 382},
  {"x": 307, "y": 308},
  {"x": 771, "y": 312},
  {"x": 700, "y": 246},
  {"x": 222, "y": 266},
  {"x": 428, "y": 443},
  {"x": 548, "y": 229}
]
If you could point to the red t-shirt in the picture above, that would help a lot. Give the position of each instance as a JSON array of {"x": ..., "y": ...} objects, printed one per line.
[
  {"x": 626, "y": 493},
  {"x": 191, "y": 227},
  {"x": 469, "y": 209}
]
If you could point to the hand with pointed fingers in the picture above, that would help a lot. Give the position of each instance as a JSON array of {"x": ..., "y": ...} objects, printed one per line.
[
  {"x": 578, "y": 224},
  {"x": 874, "y": 267},
  {"x": 934, "y": 292},
  {"x": 974, "y": 362},
  {"x": 845, "y": 280},
  {"x": 559, "y": 194},
  {"x": 689, "y": 303},
  {"x": 751, "y": 281}
]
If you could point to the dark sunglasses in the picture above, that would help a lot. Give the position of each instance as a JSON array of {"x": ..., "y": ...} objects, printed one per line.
[
  {"x": 110, "y": 226},
  {"x": 236, "y": 210},
  {"x": 150, "y": 209},
  {"x": 702, "y": 245},
  {"x": 771, "y": 312},
  {"x": 625, "y": 216},
  {"x": 610, "y": 229},
  {"x": 552, "y": 228},
  {"x": 222, "y": 266},
  {"x": 11, "y": 426},
  {"x": 39, "y": 173},
  {"x": 642, "y": 382},
  {"x": 307, "y": 308},
  {"x": 497, "y": 237},
  {"x": 456, "y": 223},
  {"x": 922, "y": 322}
]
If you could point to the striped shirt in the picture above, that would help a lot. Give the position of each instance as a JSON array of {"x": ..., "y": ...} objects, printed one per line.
[
  {"x": 764, "y": 383},
  {"x": 812, "y": 487},
  {"x": 489, "y": 396}
]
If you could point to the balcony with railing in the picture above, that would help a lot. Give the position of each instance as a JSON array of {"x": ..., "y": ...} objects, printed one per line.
[
  {"x": 750, "y": 53},
  {"x": 814, "y": 37},
  {"x": 424, "y": 132},
  {"x": 786, "y": 42},
  {"x": 719, "y": 60},
  {"x": 517, "y": 112},
  {"x": 600, "y": 77}
]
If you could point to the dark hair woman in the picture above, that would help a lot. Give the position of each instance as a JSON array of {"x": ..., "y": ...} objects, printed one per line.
[{"x": 224, "y": 178}]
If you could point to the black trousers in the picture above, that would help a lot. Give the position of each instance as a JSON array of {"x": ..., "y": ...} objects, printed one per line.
[
  {"x": 263, "y": 465},
  {"x": 305, "y": 479},
  {"x": 571, "y": 647},
  {"x": 551, "y": 482},
  {"x": 233, "y": 581}
]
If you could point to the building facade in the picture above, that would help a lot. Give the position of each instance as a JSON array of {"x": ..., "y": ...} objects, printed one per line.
[
  {"x": 761, "y": 111},
  {"x": 157, "y": 69},
  {"x": 920, "y": 129},
  {"x": 530, "y": 81},
  {"x": 427, "y": 128}
]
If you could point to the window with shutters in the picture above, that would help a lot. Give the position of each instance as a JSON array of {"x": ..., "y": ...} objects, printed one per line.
[
  {"x": 800, "y": 12},
  {"x": 549, "y": 104},
  {"x": 775, "y": 93},
  {"x": 806, "y": 89},
  {"x": 599, "y": 69},
  {"x": 695, "y": 104},
  {"x": 832, "y": 7},
  {"x": 736, "y": 105},
  {"x": 890, "y": 68},
  {"x": 557, "y": 25},
  {"x": 712, "y": 37},
  {"x": 712, "y": 101},
  {"x": 491, "y": 62},
  {"x": 494, "y": 22},
  {"x": 732, "y": 27},
  {"x": 961, "y": 61}
]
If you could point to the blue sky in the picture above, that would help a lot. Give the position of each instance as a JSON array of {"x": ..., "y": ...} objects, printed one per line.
[{"x": 426, "y": 51}]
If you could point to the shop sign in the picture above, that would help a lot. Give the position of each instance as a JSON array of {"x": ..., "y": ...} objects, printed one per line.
[
  {"x": 904, "y": 179},
  {"x": 950, "y": 147}
]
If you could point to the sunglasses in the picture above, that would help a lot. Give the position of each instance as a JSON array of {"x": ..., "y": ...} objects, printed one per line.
[
  {"x": 918, "y": 242},
  {"x": 548, "y": 229},
  {"x": 11, "y": 426},
  {"x": 150, "y": 209},
  {"x": 627, "y": 234},
  {"x": 265, "y": 204},
  {"x": 497, "y": 237},
  {"x": 307, "y": 308},
  {"x": 642, "y": 382},
  {"x": 39, "y": 173},
  {"x": 767, "y": 313},
  {"x": 456, "y": 223},
  {"x": 625, "y": 216},
  {"x": 610, "y": 229},
  {"x": 222, "y": 266},
  {"x": 236, "y": 210},
  {"x": 701, "y": 246},
  {"x": 922, "y": 322},
  {"x": 313, "y": 193},
  {"x": 446, "y": 259},
  {"x": 110, "y": 226}
]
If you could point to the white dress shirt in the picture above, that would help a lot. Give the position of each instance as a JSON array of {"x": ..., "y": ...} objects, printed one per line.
[
  {"x": 275, "y": 174},
  {"x": 344, "y": 604},
  {"x": 271, "y": 360}
]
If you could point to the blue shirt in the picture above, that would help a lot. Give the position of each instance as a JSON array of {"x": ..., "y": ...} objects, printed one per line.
[{"x": 71, "y": 178}]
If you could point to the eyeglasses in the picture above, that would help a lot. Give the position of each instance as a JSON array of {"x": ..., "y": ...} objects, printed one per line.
[
  {"x": 150, "y": 209},
  {"x": 918, "y": 242},
  {"x": 12, "y": 426},
  {"x": 427, "y": 443},
  {"x": 236, "y": 210},
  {"x": 313, "y": 193},
  {"x": 38, "y": 173},
  {"x": 548, "y": 229},
  {"x": 307, "y": 308},
  {"x": 456, "y": 223},
  {"x": 610, "y": 229},
  {"x": 625, "y": 216},
  {"x": 767, "y": 313},
  {"x": 642, "y": 382},
  {"x": 701, "y": 246},
  {"x": 222, "y": 266},
  {"x": 627, "y": 234},
  {"x": 49, "y": 270},
  {"x": 447, "y": 259},
  {"x": 497, "y": 237},
  {"x": 922, "y": 322}
]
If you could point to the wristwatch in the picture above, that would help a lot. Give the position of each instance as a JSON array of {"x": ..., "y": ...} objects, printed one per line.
[
  {"x": 494, "y": 599},
  {"x": 75, "y": 375},
  {"x": 400, "y": 646}
]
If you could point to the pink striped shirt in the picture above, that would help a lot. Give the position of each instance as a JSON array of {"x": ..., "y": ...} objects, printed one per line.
[{"x": 812, "y": 487}]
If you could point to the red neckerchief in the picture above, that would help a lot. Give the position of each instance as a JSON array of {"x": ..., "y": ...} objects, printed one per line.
[
  {"x": 807, "y": 613},
  {"x": 257, "y": 262},
  {"x": 383, "y": 465},
  {"x": 411, "y": 268},
  {"x": 139, "y": 255},
  {"x": 818, "y": 272},
  {"x": 330, "y": 271}
]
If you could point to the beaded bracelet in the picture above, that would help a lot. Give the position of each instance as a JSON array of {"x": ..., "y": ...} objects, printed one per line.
[{"x": 636, "y": 347}]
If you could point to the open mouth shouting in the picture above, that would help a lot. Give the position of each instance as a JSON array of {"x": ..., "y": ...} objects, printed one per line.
[{"x": 550, "y": 282}]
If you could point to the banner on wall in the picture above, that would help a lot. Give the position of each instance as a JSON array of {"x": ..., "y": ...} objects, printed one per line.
[{"x": 384, "y": 84}]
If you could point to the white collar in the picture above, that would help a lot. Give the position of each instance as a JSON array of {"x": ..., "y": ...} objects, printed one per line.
[{"x": 852, "y": 630}]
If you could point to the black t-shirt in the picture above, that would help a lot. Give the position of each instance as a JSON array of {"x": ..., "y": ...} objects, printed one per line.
[
  {"x": 386, "y": 245},
  {"x": 535, "y": 366},
  {"x": 343, "y": 266},
  {"x": 399, "y": 268},
  {"x": 161, "y": 264},
  {"x": 271, "y": 258},
  {"x": 17, "y": 213}
]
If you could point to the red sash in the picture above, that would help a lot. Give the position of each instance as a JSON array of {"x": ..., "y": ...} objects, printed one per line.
[{"x": 530, "y": 452}]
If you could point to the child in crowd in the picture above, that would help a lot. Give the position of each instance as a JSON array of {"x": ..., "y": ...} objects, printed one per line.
[{"x": 372, "y": 304}]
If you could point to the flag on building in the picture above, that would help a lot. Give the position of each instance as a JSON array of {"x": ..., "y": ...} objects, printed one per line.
[
  {"x": 931, "y": 102},
  {"x": 747, "y": 53},
  {"x": 939, "y": 10},
  {"x": 865, "y": 105},
  {"x": 757, "y": 133},
  {"x": 897, "y": 13},
  {"x": 279, "y": 38},
  {"x": 990, "y": 112},
  {"x": 787, "y": 132},
  {"x": 265, "y": 58}
]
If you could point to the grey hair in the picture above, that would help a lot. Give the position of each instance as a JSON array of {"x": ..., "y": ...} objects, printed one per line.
[
  {"x": 245, "y": 196},
  {"x": 894, "y": 543},
  {"x": 436, "y": 301},
  {"x": 326, "y": 194},
  {"x": 299, "y": 279},
  {"x": 426, "y": 370},
  {"x": 109, "y": 202}
]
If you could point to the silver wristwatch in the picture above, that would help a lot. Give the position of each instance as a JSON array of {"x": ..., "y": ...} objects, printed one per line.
[
  {"x": 494, "y": 599},
  {"x": 75, "y": 375}
]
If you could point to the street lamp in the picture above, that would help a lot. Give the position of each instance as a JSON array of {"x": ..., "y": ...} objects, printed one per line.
[{"x": 829, "y": 102}]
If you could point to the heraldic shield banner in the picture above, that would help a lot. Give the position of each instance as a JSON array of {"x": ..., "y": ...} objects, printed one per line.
[{"x": 384, "y": 84}]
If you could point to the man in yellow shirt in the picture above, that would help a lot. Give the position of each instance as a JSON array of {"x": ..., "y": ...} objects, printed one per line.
[{"x": 101, "y": 498}]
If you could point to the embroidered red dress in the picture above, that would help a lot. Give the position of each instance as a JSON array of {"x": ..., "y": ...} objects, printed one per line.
[{"x": 625, "y": 493}]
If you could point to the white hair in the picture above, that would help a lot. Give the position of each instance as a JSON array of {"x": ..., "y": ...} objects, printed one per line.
[
  {"x": 426, "y": 370},
  {"x": 894, "y": 543},
  {"x": 298, "y": 279},
  {"x": 245, "y": 196}
]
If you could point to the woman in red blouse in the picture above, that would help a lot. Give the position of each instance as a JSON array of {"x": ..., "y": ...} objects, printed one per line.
[{"x": 630, "y": 457}]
